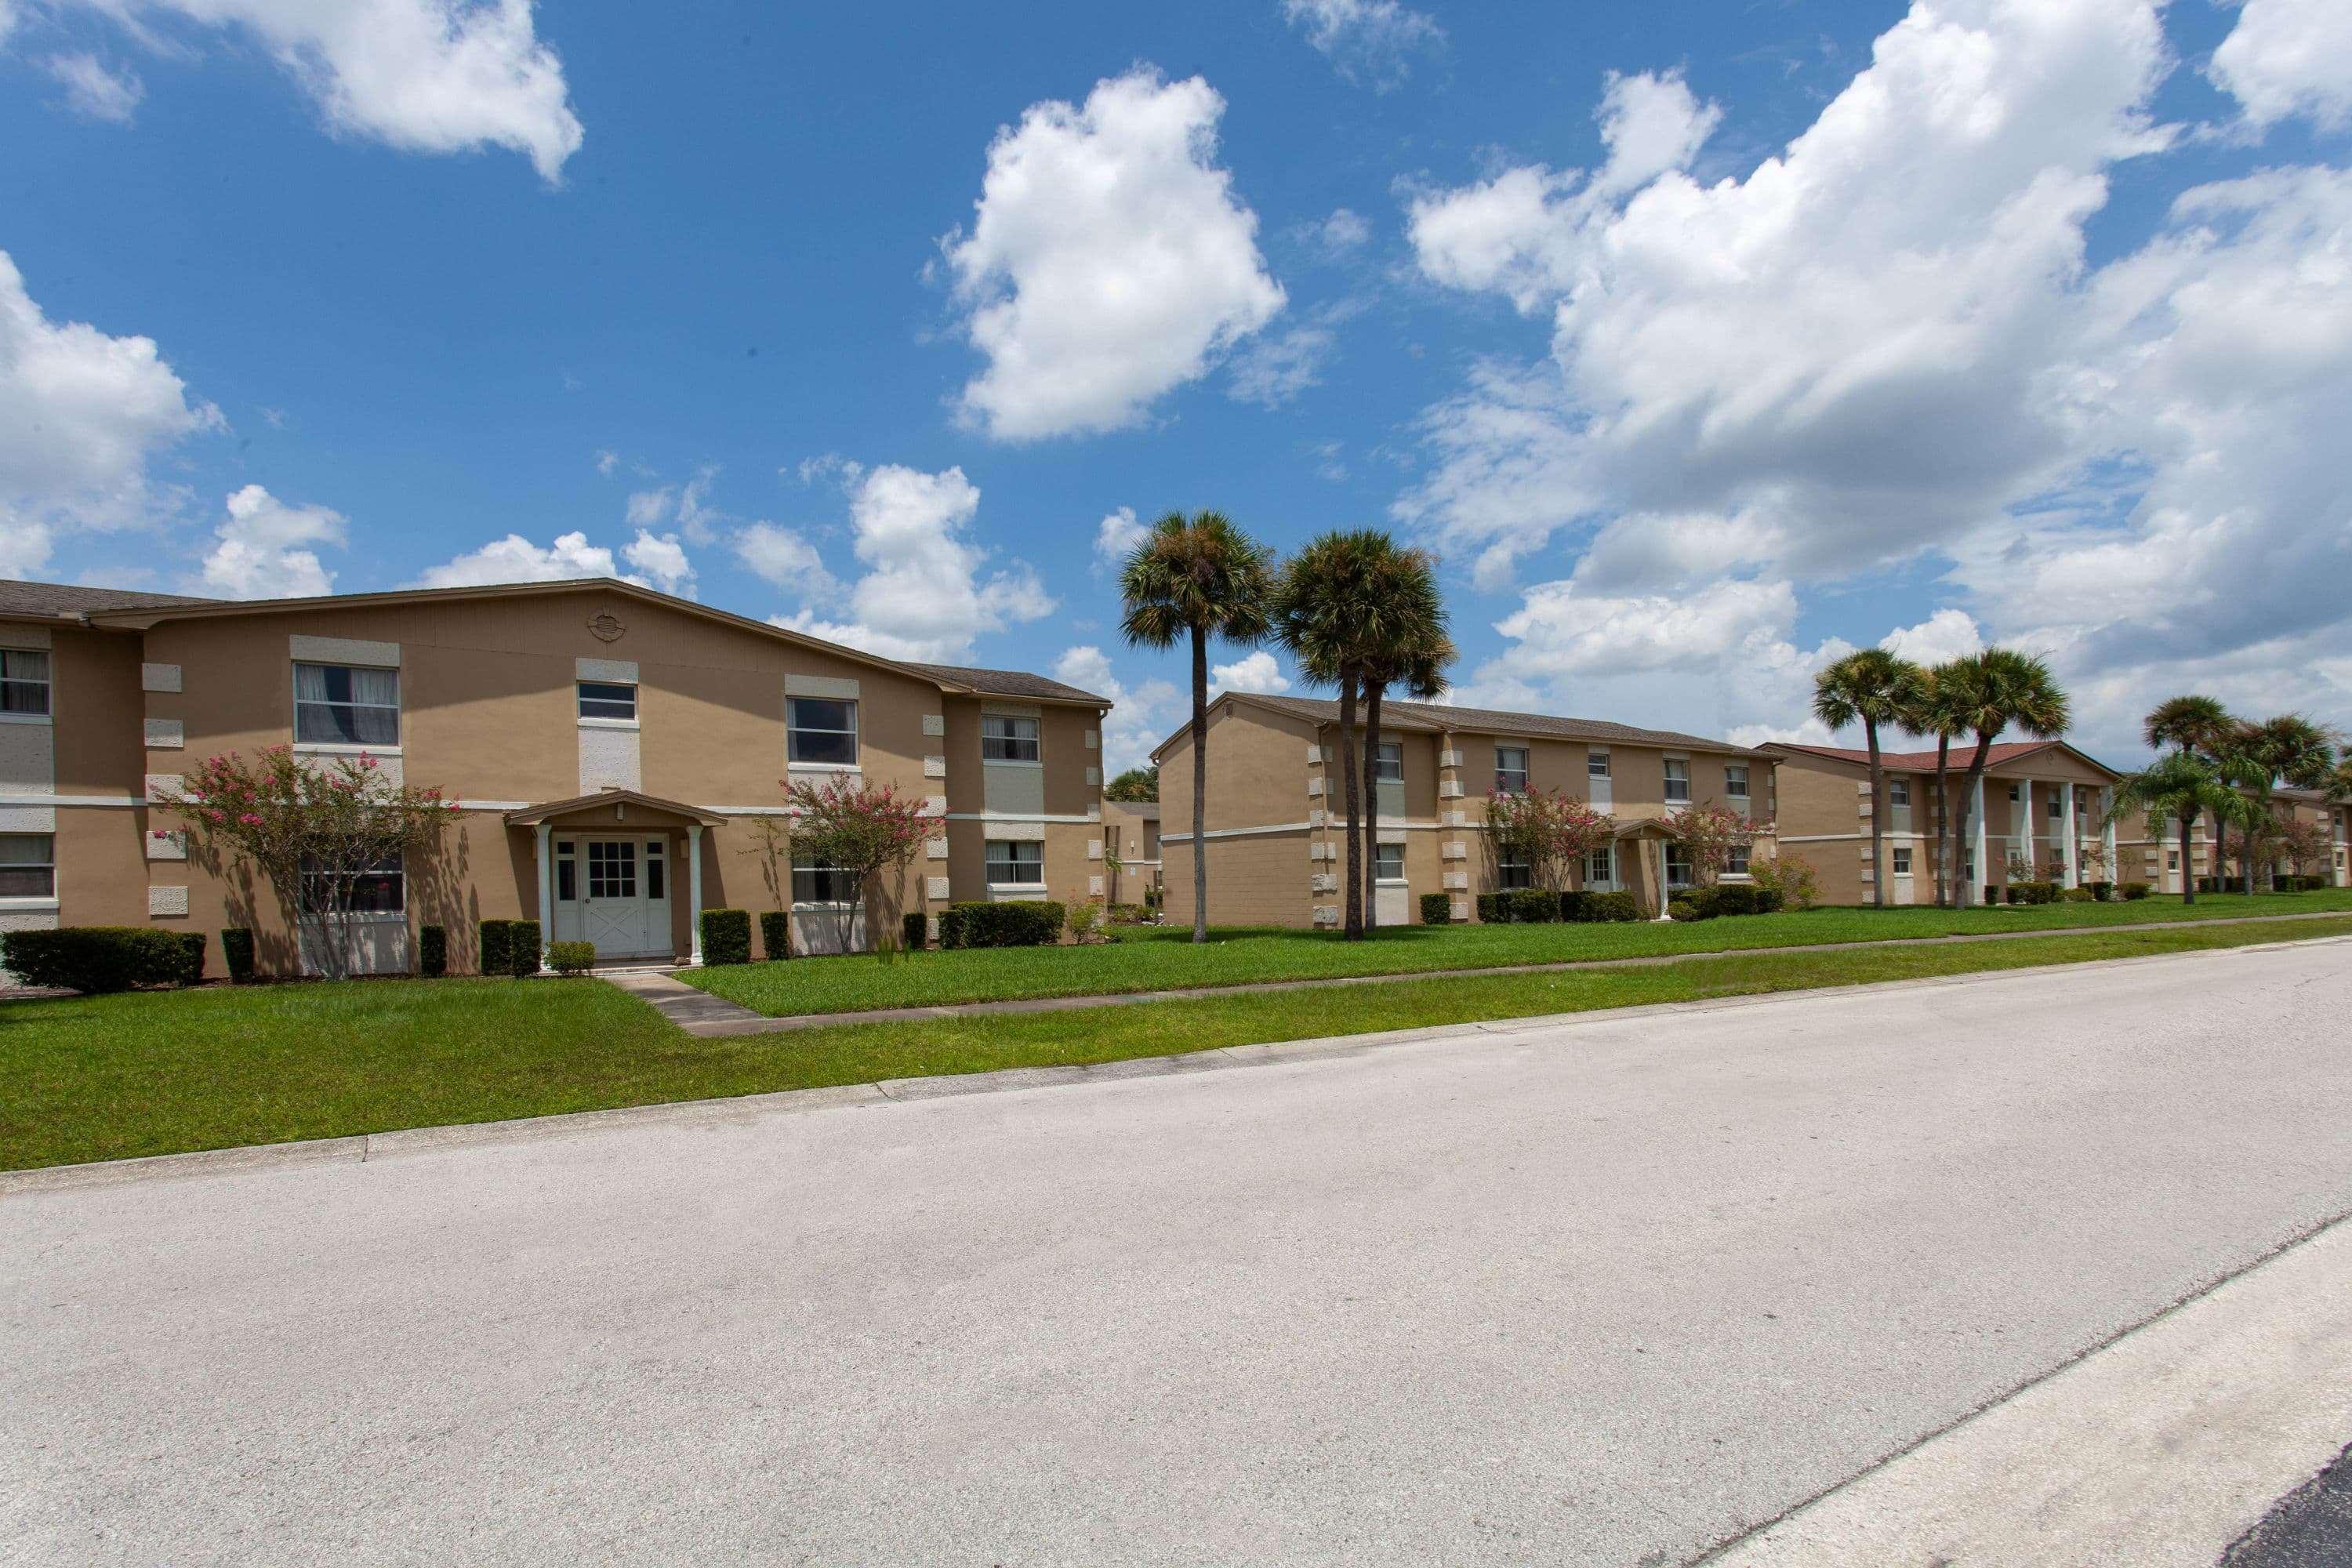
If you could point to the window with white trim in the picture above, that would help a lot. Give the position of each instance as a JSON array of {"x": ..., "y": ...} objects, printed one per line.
[
  {"x": 1511, "y": 770},
  {"x": 2057, "y": 808},
  {"x": 1596, "y": 764},
  {"x": 1735, "y": 780},
  {"x": 346, "y": 705},
  {"x": 1510, "y": 874},
  {"x": 28, "y": 865},
  {"x": 611, "y": 868},
  {"x": 1898, "y": 792},
  {"x": 1016, "y": 863},
  {"x": 1388, "y": 766},
  {"x": 814, "y": 882},
  {"x": 657, "y": 869},
  {"x": 380, "y": 889},
  {"x": 1902, "y": 862},
  {"x": 2016, "y": 793},
  {"x": 1601, "y": 866},
  {"x": 608, "y": 699},
  {"x": 1736, "y": 860},
  {"x": 1008, "y": 737},
  {"x": 24, "y": 682},
  {"x": 1677, "y": 781},
  {"x": 821, "y": 731},
  {"x": 1388, "y": 862},
  {"x": 1678, "y": 866}
]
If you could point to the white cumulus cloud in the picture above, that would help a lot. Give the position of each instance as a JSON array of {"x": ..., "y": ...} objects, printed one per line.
[
  {"x": 515, "y": 559},
  {"x": 785, "y": 558},
  {"x": 923, "y": 595},
  {"x": 261, "y": 551},
  {"x": 1116, "y": 537},
  {"x": 1947, "y": 634},
  {"x": 2289, "y": 57},
  {"x": 425, "y": 76},
  {"x": 1370, "y": 41},
  {"x": 660, "y": 560},
  {"x": 1254, "y": 671},
  {"x": 1108, "y": 260}
]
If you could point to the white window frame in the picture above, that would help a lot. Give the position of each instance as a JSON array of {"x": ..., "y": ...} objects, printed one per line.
[
  {"x": 1674, "y": 778},
  {"x": 47, "y": 901},
  {"x": 812, "y": 870},
  {"x": 1689, "y": 866},
  {"x": 1390, "y": 755},
  {"x": 1380, "y": 852},
  {"x": 1596, "y": 764},
  {"x": 992, "y": 861},
  {"x": 1012, "y": 741},
  {"x": 1899, "y": 793},
  {"x": 1503, "y": 869},
  {"x": 1739, "y": 860},
  {"x": 1607, "y": 858},
  {"x": 794, "y": 731},
  {"x": 1525, "y": 770},
  {"x": 398, "y": 864},
  {"x": 338, "y": 746},
  {"x": 581, "y": 699},
  {"x": 2058, "y": 808},
  {"x": 1902, "y": 858},
  {"x": 1735, "y": 780},
  {"x": 46, "y": 681}
]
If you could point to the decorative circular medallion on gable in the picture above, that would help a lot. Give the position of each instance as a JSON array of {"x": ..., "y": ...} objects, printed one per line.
[{"x": 605, "y": 626}]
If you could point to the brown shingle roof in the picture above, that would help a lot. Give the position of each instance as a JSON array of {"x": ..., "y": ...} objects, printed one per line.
[
  {"x": 1490, "y": 721},
  {"x": 1963, "y": 752},
  {"x": 1007, "y": 682},
  {"x": 19, "y": 598}
]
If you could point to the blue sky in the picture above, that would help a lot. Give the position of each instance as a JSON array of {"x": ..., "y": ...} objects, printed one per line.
[{"x": 1701, "y": 342}]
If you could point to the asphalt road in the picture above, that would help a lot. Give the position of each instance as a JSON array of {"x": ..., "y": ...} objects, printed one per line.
[{"x": 1608, "y": 1292}]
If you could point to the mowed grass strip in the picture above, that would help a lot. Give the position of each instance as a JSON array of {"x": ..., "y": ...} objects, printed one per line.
[
  {"x": 113, "y": 1077},
  {"x": 1162, "y": 958}
]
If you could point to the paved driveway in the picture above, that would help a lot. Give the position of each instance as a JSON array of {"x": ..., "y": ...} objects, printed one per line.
[{"x": 1607, "y": 1292}]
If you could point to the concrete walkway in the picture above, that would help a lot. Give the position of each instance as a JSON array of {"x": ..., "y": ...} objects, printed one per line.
[{"x": 698, "y": 1012}]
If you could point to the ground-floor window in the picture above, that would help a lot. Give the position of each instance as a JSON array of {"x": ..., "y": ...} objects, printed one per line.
[
  {"x": 813, "y": 883},
  {"x": 1902, "y": 862},
  {"x": 1388, "y": 862},
  {"x": 380, "y": 889},
  {"x": 1601, "y": 866},
  {"x": 1736, "y": 860},
  {"x": 28, "y": 866},
  {"x": 1016, "y": 862},
  {"x": 1678, "y": 866},
  {"x": 1509, "y": 874}
]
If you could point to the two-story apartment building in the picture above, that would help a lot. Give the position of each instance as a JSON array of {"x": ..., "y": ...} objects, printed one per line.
[
  {"x": 616, "y": 756},
  {"x": 1277, "y": 813},
  {"x": 1131, "y": 845}
]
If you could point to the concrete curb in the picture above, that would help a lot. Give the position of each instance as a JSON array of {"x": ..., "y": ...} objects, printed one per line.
[
  {"x": 703, "y": 1013},
  {"x": 362, "y": 1147}
]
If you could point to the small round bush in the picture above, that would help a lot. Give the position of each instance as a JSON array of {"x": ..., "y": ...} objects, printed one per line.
[{"x": 571, "y": 957}]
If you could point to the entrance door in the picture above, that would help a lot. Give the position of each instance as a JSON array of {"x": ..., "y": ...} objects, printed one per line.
[{"x": 615, "y": 892}]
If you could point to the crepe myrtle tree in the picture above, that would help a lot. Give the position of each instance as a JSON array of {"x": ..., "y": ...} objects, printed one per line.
[
  {"x": 315, "y": 831},
  {"x": 863, "y": 831},
  {"x": 2308, "y": 844},
  {"x": 1545, "y": 830},
  {"x": 1708, "y": 833}
]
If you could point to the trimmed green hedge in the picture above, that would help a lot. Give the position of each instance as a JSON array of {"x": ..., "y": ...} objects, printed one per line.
[
  {"x": 2032, "y": 892},
  {"x": 726, "y": 936},
  {"x": 2135, "y": 891},
  {"x": 432, "y": 951},
  {"x": 1018, "y": 925},
  {"x": 96, "y": 959},
  {"x": 914, "y": 930},
  {"x": 1436, "y": 910},
  {"x": 1611, "y": 908},
  {"x": 191, "y": 957},
  {"x": 571, "y": 957},
  {"x": 236, "y": 952},
  {"x": 510, "y": 947},
  {"x": 775, "y": 934}
]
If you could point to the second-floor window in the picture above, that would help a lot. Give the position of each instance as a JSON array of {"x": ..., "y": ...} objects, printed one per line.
[
  {"x": 1008, "y": 738},
  {"x": 1898, "y": 792},
  {"x": 1389, "y": 766},
  {"x": 2057, "y": 808},
  {"x": 1735, "y": 780},
  {"x": 1510, "y": 770},
  {"x": 346, "y": 705},
  {"x": 28, "y": 866},
  {"x": 821, "y": 730},
  {"x": 608, "y": 699},
  {"x": 1596, "y": 764},
  {"x": 1016, "y": 862},
  {"x": 1677, "y": 781},
  {"x": 24, "y": 682}
]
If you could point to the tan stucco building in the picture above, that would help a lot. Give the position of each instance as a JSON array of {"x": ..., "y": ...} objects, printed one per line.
[
  {"x": 1131, "y": 845},
  {"x": 614, "y": 754},
  {"x": 1277, "y": 813}
]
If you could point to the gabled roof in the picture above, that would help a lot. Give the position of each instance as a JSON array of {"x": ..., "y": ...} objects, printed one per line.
[
  {"x": 532, "y": 816},
  {"x": 1428, "y": 717},
  {"x": 52, "y": 599},
  {"x": 1008, "y": 683},
  {"x": 140, "y": 611},
  {"x": 1999, "y": 755}
]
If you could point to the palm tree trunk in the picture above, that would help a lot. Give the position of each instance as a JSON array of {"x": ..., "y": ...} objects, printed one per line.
[
  {"x": 2187, "y": 866},
  {"x": 1944, "y": 845},
  {"x": 1967, "y": 801},
  {"x": 1200, "y": 783},
  {"x": 2219, "y": 882},
  {"x": 1353, "y": 915},
  {"x": 1372, "y": 692},
  {"x": 1877, "y": 818}
]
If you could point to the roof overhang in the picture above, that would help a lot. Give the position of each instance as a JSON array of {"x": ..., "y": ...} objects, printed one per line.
[{"x": 621, "y": 799}]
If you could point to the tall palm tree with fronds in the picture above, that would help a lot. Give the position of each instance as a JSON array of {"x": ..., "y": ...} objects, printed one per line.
[
  {"x": 2183, "y": 786},
  {"x": 1928, "y": 711},
  {"x": 2290, "y": 750},
  {"x": 2193, "y": 725},
  {"x": 1333, "y": 612},
  {"x": 1871, "y": 687},
  {"x": 1193, "y": 578},
  {"x": 1993, "y": 692},
  {"x": 1415, "y": 661}
]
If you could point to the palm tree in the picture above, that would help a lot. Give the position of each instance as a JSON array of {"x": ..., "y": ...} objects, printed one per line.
[
  {"x": 1416, "y": 662},
  {"x": 2289, "y": 749},
  {"x": 1992, "y": 691},
  {"x": 1332, "y": 612},
  {"x": 1195, "y": 577},
  {"x": 1928, "y": 711},
  {"x": 1871, "y": 687},
  {"x": 2195, "y": 726},
  {"x": 2182, "y": 785}
]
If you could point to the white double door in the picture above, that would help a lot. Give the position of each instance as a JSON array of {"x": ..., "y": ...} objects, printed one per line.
[{"x": 615, "y": 892}]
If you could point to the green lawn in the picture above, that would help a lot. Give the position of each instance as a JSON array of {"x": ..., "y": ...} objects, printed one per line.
[
  {"x": 1160, "y": 958},
  {"x": 114, "y": 1076}
]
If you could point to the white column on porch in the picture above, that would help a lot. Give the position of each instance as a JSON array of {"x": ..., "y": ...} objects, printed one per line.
[
  {"x": 694, "y": 892},
  {"x": 1984, "y": 873},
  {"x": 2072, "y": 845},
  {"x": 546, "y": 891},
  {"x": 2025, "y": 821},
  {"x": 2107, "y": 832},
  {"x": 1665, "y": 898}
]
